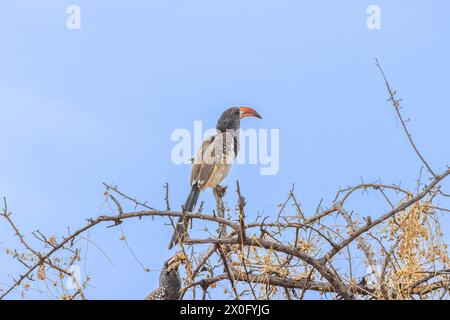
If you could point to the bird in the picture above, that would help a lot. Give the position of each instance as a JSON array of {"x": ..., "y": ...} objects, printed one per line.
[
  {"x": 169, "y": 281},
  {"x": 213, "y": 161}
]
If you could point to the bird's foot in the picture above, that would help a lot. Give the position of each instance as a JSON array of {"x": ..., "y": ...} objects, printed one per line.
[{"x": 220, "y": 190}]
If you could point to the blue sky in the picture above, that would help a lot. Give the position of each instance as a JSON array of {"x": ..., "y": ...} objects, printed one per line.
[{"x": 82, "y": 107}]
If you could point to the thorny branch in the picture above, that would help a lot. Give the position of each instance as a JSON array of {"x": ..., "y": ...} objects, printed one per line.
[{"x": 395, "y": 251}]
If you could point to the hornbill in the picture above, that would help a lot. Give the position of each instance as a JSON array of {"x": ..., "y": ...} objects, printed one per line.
[
  {"x": 169, "y": 281},
  {"x": 213, "y": 161}
]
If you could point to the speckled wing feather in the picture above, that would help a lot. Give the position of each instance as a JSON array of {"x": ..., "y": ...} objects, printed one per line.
[
  {"x": 213, "y": 161},
  {"x": 157, "y": 294},
  {"x": 198, "y": 160}
]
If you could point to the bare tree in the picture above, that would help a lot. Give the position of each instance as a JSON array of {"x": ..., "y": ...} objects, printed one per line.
[{"x": 294, "y": 255}]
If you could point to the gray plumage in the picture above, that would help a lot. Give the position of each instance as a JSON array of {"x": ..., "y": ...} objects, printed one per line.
[
  {"x": 229, "y": 120},
  {"x": 169, "y": 284},
  {"x": 213, "y": 161}
]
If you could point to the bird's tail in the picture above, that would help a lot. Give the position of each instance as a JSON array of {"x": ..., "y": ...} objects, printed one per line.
[
  {"x": 189, "y": 206},
  {"x": 191, "y": 201}
]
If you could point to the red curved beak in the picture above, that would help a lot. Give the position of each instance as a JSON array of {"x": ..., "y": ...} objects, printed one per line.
[{"x": 249, "y": 112}]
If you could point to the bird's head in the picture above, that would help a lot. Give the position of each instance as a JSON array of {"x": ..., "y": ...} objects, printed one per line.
[
  {"x": 169, "y": 278},
  {"x": 171, "y": 266},
  {"x": 231, "y": 118}
]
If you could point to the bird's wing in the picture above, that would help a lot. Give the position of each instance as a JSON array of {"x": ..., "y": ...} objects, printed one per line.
[
  {"x": 157, "y": 294},
  {"x": 198, "y": 160},
  {"x": 213, "y": 160}
]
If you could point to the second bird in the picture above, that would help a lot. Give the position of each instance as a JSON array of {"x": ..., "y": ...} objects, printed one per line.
[{"x": 213, "y": 161}]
